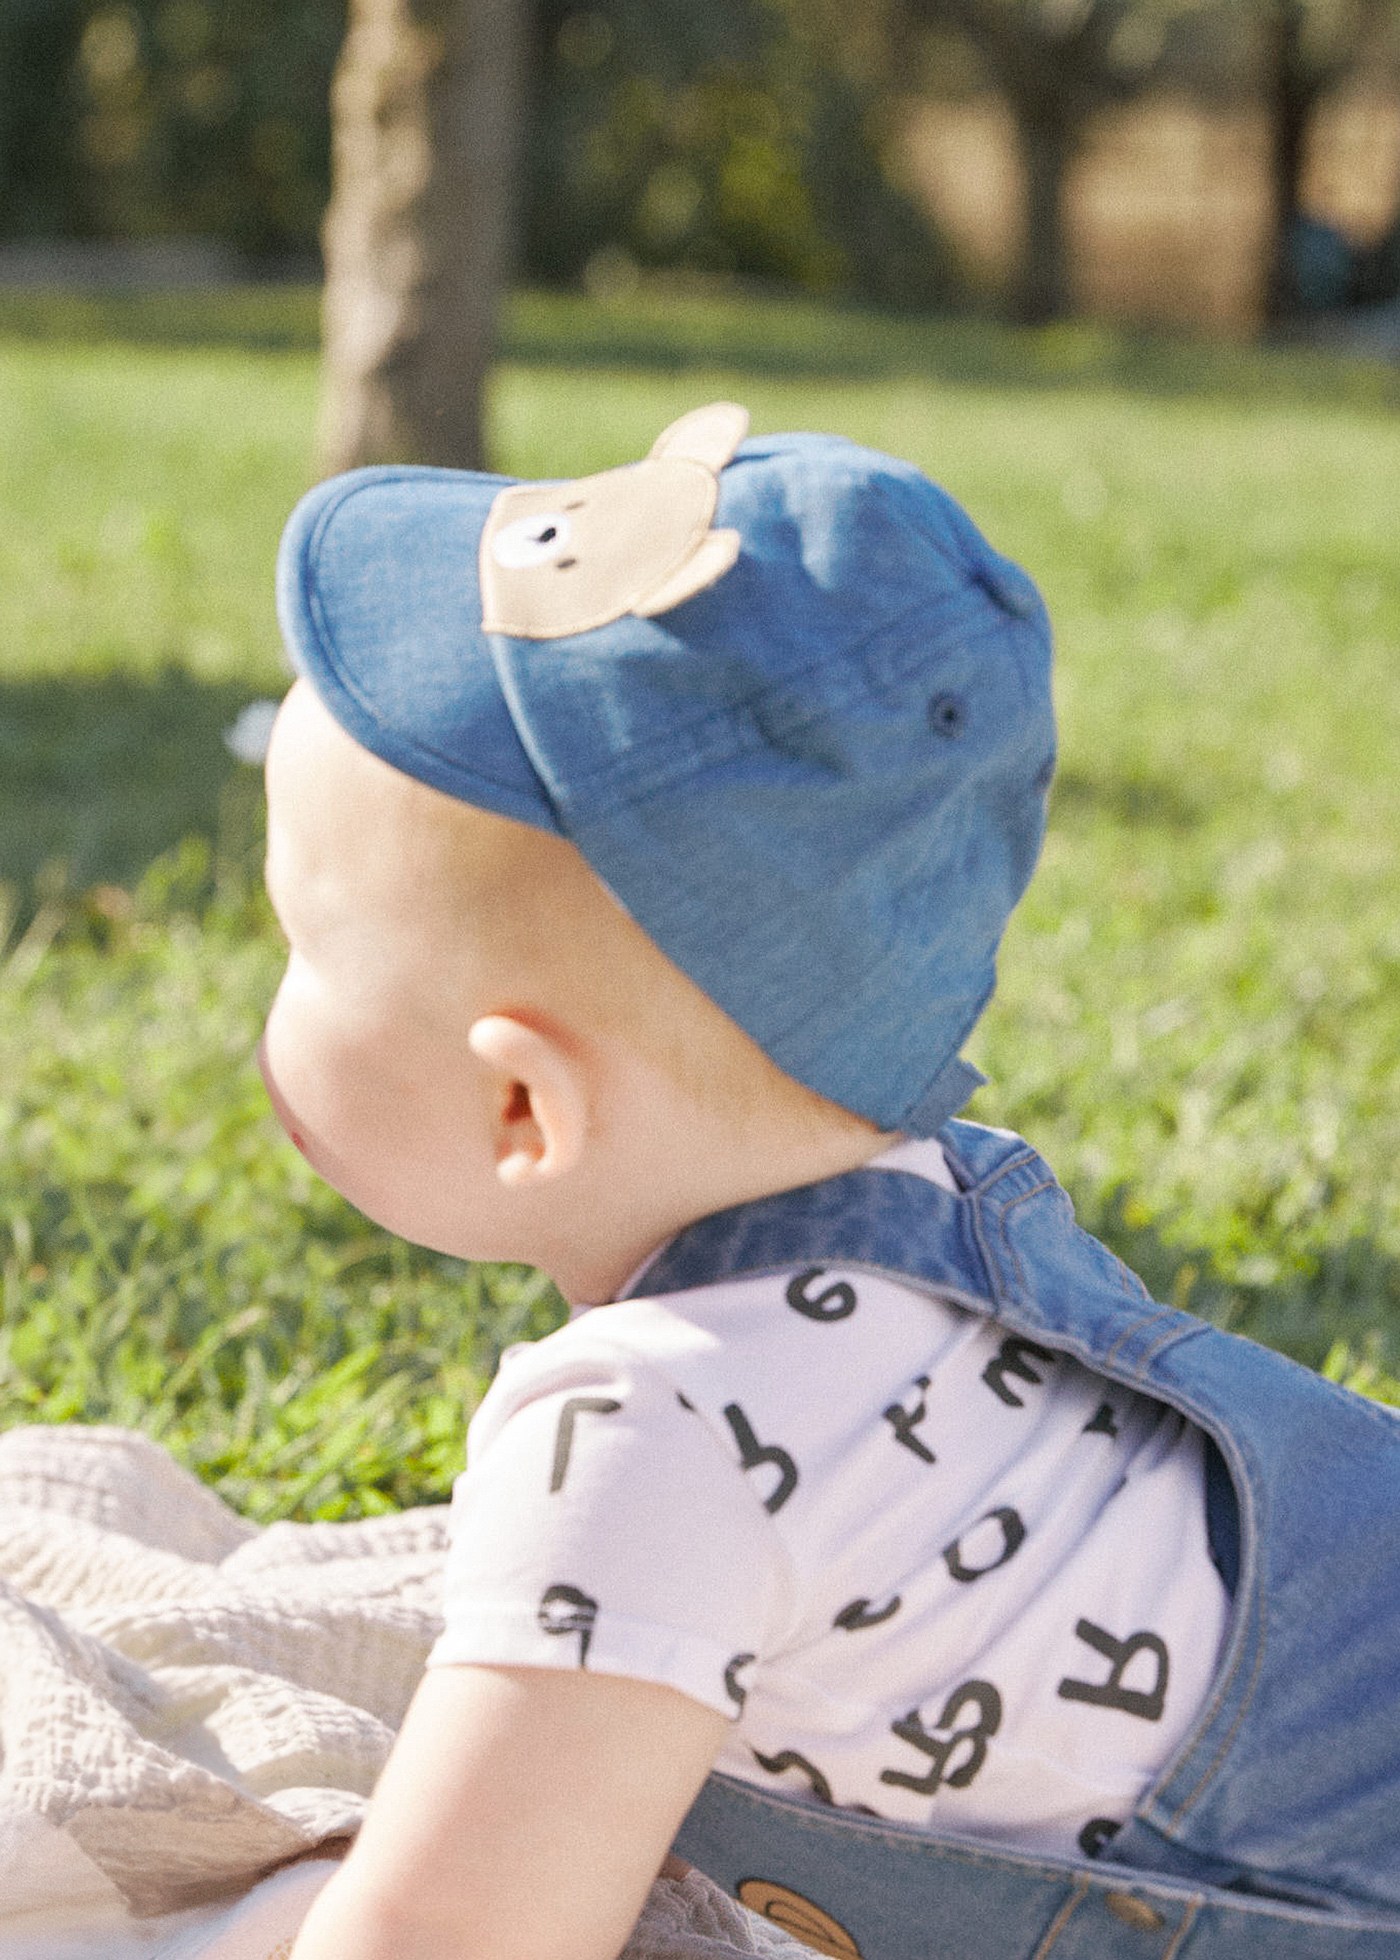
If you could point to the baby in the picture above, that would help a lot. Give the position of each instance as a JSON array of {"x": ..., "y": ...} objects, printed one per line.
[{"x": 643, "y": 845}]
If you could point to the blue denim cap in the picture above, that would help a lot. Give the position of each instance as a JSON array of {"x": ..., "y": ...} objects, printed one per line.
[{"x": 818, "y": 782}]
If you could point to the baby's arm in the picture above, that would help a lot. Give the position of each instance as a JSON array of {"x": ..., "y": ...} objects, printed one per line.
[{"x": 523, "y": 1815}]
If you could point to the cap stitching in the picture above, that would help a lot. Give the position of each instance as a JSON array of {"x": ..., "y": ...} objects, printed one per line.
[{"x": 743, "y": 712}]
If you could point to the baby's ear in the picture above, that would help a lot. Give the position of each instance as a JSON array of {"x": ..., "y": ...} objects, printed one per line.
[
  {"x": 707, "y": 435},
  {"x": 540, "y": 1123}
]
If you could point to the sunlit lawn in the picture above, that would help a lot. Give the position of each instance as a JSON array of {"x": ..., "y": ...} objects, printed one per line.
[{"x": 1200, "y": 1012}]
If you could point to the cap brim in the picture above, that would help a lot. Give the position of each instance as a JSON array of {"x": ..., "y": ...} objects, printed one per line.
[{"x": 378, "y": 595}]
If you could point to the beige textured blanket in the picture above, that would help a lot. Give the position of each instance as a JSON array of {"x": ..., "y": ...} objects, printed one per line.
[{"x": 193, "y": 1711}]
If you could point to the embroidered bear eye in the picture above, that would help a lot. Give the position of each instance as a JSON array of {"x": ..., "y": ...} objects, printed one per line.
[{"x": 531, "y": 540}]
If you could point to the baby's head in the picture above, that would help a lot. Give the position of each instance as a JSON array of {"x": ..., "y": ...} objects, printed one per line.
[
  {"x": 476, "y": 1044},
  {"x": 655, "y": 830}
]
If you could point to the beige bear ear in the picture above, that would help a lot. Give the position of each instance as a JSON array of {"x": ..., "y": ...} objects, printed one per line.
[
  {"x": 710, "y": 560},
  {"x": 707, "y": 435}
]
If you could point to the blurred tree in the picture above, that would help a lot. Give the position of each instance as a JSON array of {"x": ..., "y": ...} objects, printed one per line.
[
  {"x": 751, "y": 137},
  {"x": 1307, "y": 47},
  {"x": 851, "y": 144},
  {"x": 1377, "y": 278},
  {"x": 39, "y": 161},
  {"x": 745, "y": 137},
  {"x": 425, "y": 109},
  {"x": 194, "y": 116},
  {"x": 1056, "y": 63}
]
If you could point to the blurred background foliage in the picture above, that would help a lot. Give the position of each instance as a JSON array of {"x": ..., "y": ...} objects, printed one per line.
[
  {"x": 743, "y": 138},
  {"x": 160, "y": 117},
  {"x": 770, "y": 140},
  {"x": 747, "y": 138}
]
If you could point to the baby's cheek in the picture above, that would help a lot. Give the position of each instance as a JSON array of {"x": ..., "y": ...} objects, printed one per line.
[
  {"x": 327, "y": 1084},
  {"x": 272, "y": 1050},
  {"x": 312, "y": 1082},
  {"x": 281, "y": 1108}
]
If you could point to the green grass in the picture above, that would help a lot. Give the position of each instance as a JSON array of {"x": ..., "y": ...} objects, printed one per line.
[
  {"x": 671, "y": 326},
  {"x": 1199, "y": 1018}
]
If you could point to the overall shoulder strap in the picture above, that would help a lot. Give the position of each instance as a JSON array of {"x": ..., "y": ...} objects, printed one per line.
[{"x": 1290, "y": 1782}]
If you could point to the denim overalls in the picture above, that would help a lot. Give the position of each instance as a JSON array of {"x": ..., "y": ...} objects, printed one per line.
[{"x": 1274, "y": 1834}]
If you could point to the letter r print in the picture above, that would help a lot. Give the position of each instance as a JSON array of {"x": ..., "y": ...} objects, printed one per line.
[{"x": 1146, "y": 1703}]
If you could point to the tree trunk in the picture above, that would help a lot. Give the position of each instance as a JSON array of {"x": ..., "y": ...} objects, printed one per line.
[
  {"x": 425, "y": 107},
  {"x": 1048, "y": 146},
  {"x": 1289, "y": 100}
]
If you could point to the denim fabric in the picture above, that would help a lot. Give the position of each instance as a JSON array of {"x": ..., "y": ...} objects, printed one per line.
[{"x": 1275, "y": 1830}]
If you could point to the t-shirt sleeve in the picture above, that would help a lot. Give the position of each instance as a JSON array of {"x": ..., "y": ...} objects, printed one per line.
[{"x": 601, "y": 1524}]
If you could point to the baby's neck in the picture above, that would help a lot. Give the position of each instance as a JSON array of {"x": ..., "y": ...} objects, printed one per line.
[{"x": 676, "y": 1172}]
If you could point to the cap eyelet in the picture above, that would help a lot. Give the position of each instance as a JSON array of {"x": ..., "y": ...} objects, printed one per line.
[{"x": 947, "y": 714}]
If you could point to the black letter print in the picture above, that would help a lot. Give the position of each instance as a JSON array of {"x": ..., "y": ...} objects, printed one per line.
[
  {"x": 860, "y": 1613},
  {"x": 564, "y": 1609},
  {"x": 835, "y": 1302},
  {"x": 1013, "y": 1536},
  {"x": 1121, "y": 1654},
  {"x": 1102, "y": 1422},
  {"x": 733, "y": 1686},
  {"x": 597, "y": 1405},
  {"x": 939, "y": 1749},
  {"x": 789, "y": 1759},
  {"x": 752, "y": 1453},
  {"x": 1096, "y": 1834},
  {"x": 1014, "y": 1357},
  {"x": 905, "y": 1421}
]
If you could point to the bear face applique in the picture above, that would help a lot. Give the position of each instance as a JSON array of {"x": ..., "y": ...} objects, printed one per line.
[{"x": 562, "y": 558}]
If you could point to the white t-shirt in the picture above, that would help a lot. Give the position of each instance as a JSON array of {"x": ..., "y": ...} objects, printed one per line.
[{"x": 930, "y": 1569}]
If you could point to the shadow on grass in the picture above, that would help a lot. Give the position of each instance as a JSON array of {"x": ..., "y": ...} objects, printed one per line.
[
  {"x": 1133, "y": 802},
  {"x": 100, "y": 775},
  {"x": 671, "y": 328}
]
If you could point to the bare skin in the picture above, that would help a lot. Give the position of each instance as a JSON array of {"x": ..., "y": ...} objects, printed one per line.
[
  {"x": 509, "y": 1822},
  {"x": 477, "y": 1046}
]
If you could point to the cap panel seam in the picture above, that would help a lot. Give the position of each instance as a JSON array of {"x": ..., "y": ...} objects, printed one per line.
[{"x": 702, "y": 731}]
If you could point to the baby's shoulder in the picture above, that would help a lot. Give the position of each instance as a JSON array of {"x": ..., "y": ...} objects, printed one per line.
[{"x": 821, "y": 1346}]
